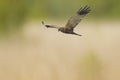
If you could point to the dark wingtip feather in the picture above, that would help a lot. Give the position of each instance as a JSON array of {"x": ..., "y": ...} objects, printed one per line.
[
  {"x": 45, "y": 25},
  {"x": 84, "y": 10},
  {"x": 42, "y": 22}
]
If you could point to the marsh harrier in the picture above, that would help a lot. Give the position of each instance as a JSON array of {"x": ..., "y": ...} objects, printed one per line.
[{"x": 72, "y": 22}]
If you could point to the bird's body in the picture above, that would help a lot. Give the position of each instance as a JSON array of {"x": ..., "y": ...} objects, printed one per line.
[
  {"x": 68, "y": 31},
  {"x": 72, "y": 22}
]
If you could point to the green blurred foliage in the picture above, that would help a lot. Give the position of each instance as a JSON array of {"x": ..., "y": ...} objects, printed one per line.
[{"x": 13, "y": 13}]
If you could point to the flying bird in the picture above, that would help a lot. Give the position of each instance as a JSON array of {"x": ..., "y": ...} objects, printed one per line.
[{"x": 72, "y": 22}]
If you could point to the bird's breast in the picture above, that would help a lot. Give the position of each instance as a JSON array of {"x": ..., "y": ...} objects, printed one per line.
[{"x": 65, "y": 30}]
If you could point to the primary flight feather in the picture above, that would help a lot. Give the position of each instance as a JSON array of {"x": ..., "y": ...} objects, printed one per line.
[{"x": 72, "y": 22}]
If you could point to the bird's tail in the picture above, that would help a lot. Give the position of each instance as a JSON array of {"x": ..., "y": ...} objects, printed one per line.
[{"x": 76, "y": 34}]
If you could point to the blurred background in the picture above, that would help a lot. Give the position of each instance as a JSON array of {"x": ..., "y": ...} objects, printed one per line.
[{"x": 29, "y": 51}]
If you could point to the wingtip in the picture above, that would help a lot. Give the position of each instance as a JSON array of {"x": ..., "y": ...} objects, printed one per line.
[
  {"x": 43, "y": 22},
  {"x": 47, "y": 26},
  {"x": 84, "y": 10}
]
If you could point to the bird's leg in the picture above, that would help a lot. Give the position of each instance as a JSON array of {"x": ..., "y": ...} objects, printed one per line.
[{"x": 76, "y": 34}]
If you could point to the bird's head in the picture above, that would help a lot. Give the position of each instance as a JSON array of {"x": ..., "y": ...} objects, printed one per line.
[{"x": 61, "y": 29}]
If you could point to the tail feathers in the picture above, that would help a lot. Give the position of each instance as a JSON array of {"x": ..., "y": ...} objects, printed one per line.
[{"x": 76, "y": 34}]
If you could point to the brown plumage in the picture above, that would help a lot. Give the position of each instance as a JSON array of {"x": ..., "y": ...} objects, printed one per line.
[{"x": 72, "y": 22}]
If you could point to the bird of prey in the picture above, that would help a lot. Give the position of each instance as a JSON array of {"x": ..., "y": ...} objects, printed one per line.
[{"x": 72, "y": 22}]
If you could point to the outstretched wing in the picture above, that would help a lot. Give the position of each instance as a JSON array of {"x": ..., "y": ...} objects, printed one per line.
[
  {"x": 74, "y": 20},
  {"x": 50, "y": 26}
]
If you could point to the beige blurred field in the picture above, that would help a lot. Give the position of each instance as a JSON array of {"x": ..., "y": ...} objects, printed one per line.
[{"x": 46, "y": 54}]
